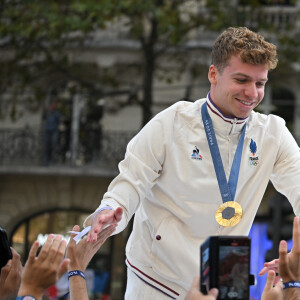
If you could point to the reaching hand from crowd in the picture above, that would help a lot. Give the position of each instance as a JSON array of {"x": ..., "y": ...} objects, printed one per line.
[
  {"x": 10, "y": 278},
  {"x": 195, "y": 294},
  {"x": 102, "y": 219},
  {"x": 289, "y": 264},
  {"x": 80, "y": 255},
  {"x": 44, "y": 270},
  {"x": 272, "y": 291}
]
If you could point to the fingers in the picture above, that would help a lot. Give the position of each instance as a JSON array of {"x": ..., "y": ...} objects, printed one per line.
[
  {"x": 272, "y": 265},
  {"x": 32, "y": 252},
  {"x": 106, "y": 233},
  {"x": 283, "y": 259},
  {"x": 75, "y": 228},
  {"x": 263, "y": 271},
  {"x": 5, "y": 271},
  {"x": 270, "y": 280},
  {"x": 16, "y": 265},
  {"x": 103, "y": 218},
  {"x": 296, "y": 235},
  {"x": 196, "y": 283},
  {"x": 15, "y": 258},
  {"x": 45, "y": 249},
  {"x": 214, "y": 292},
  {"x": 59, "y": 251}
]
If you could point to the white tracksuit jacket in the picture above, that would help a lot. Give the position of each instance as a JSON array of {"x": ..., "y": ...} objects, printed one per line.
[{"x": 174, "y": 193}]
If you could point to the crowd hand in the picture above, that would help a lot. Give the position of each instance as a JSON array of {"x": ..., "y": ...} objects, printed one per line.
[
  {"x": 10, "y": 277},
  {"x": 271, "y": 266},
  {"x": 195, "y": 294},
  {"x": 42, "y": 271},
  {"x": 80, "y": 254},
  {"x": 271, "y": 290},
  {"x": 103, "y": 219},
  {"x": 289, "y": 263},
  {"x": 268, "y": 266}
]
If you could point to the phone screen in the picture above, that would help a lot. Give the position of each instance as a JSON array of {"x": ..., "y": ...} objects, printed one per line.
[{"x": 234, "y": 268}]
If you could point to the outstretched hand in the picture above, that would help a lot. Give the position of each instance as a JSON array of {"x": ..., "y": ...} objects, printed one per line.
[
  {"x": 80, "y": 254},
  {"x": 290, "y": 259},
  {"x": 44, "y": 270},
  {"x": 289, "y": 263},
  {"x": 103, "y": 219}
]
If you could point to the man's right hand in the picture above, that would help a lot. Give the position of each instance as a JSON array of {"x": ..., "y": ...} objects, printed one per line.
[{"x": 103, "y": 219}]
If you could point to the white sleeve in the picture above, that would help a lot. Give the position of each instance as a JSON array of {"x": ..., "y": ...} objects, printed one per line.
[
  {"x": 286, "y": 171},
  {"x": 138, "y": 171}
]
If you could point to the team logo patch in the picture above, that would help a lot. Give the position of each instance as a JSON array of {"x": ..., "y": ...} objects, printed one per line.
[
  {"x": 253, "y": 160},
  {"x": 196, "y": 155}
]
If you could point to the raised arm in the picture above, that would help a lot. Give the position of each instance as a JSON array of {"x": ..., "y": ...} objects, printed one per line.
[
  {"x": 10, "y": 278},
  {"x": 43, "y": 270},
  {"x": 289, "y": 265},
  {"x": 80, "y": 255}
]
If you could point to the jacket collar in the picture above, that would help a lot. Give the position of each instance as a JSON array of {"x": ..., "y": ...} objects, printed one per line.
[{"x": 221, "y": 122}]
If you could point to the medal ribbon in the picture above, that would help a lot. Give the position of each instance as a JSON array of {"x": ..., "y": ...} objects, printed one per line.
[{"x": 227, "y": 189}]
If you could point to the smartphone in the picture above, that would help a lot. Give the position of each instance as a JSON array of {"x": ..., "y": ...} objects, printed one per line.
[
  {"x": 225, "y": 265},
  {"x": 5, "y": 251}
]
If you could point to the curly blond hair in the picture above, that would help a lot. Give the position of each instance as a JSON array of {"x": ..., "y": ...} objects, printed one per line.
[{"x": 250, "y": 46}]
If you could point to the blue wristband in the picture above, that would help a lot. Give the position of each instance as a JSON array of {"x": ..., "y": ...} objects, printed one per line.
[
  {"x": 291, "y": 284},
  {"x": 27, "y": 297},
  {"x": 76, "y": 273}
]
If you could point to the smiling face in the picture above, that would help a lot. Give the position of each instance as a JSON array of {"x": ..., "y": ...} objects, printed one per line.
[{"x": 239, "y": 88}]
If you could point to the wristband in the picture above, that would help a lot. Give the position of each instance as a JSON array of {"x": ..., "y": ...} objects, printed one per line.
[
  {"x": 291, "y": 284},
  {"x": 27, "y": 297},
  {"x": 76, "y": 273}
]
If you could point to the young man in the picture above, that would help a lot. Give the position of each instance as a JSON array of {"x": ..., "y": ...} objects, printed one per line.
[{"x": 200, "y": 169}]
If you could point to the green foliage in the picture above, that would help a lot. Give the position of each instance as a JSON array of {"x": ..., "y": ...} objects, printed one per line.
[{"x": 36, "y": 37}]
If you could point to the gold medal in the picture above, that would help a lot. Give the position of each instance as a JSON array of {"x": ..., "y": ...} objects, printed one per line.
[{"x": 229, "y": 214}]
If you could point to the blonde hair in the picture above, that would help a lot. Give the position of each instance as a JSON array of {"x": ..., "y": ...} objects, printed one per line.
[{"x": 250, "y": 47}]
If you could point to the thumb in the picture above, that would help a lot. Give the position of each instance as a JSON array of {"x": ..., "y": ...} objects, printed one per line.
[
  {"x": 196, "y": 283},
  {"x": 214, "y": 292},
  {"x": 63, "y": 267},
  {"x": 118, "y": 214},
  {"x": 75, "y": 228}
]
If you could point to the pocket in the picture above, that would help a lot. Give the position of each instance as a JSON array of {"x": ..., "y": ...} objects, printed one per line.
[{"x": 175, "y": 253}]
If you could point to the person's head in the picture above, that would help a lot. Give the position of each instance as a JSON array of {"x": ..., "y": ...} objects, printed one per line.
[
  {"x": 250, "y": 47},
  {"x": 241, "y": 60}
]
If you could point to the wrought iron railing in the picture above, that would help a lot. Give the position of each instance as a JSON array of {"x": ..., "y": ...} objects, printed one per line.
[{"x": 27, "y": 147}]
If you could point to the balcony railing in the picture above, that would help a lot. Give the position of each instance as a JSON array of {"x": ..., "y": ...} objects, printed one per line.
[{"x": 28, "y": 147}]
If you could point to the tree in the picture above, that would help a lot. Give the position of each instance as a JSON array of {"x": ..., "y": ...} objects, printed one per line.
[
  {"x": 39, "y": 34},
  {"x": 36, "y": 37}
]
